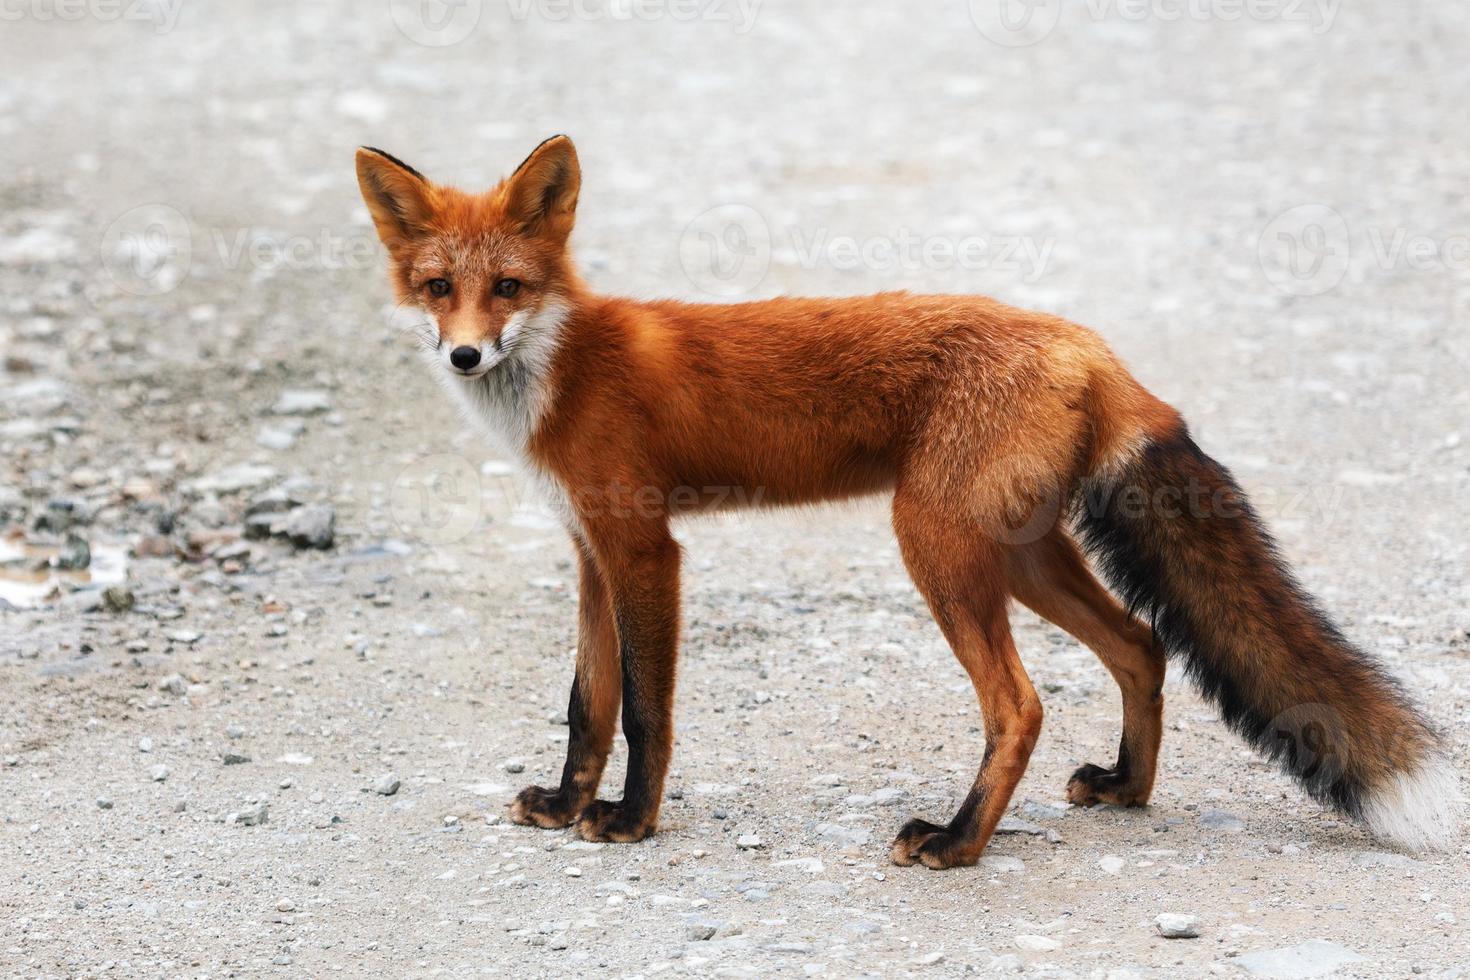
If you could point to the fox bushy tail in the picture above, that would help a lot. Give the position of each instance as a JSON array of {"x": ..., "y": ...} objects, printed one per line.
[{"x": 1174, "y": 535}]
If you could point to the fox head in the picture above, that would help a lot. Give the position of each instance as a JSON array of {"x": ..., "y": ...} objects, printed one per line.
[{"x": 491, "y": 271}]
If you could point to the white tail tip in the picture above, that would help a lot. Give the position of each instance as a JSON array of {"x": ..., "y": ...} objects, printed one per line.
[{"x": 1419, "y": 809}]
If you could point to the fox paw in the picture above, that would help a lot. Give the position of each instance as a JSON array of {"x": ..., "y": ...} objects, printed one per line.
[
  {"x": 604, "y": 821},
  {"x": 1091, "y": 785},
  {"x": 541, "y": 807},
  {"x": 931, "y": 845}
]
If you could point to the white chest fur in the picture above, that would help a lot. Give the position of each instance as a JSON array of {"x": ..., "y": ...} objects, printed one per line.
[{"x": 510, "y": 400}]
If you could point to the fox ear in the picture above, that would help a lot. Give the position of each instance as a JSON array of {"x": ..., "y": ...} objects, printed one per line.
[
  {"x": 542, "y": 194},
  {"x": 397, "y": 196}
]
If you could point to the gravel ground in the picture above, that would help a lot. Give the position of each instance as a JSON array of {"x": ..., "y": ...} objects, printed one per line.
[{"x": 325, "y": 633}]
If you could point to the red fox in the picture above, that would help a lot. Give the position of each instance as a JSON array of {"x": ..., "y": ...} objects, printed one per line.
[{"x": 1013, "y": 443}]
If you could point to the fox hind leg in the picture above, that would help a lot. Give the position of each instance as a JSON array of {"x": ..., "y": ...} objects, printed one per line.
[
  {"x": 961, "y": 574},
  {"x": 1051, "y": 577}
]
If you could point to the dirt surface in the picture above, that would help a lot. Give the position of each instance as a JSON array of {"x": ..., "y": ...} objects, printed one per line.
[{"x": 1265, "y": 214}]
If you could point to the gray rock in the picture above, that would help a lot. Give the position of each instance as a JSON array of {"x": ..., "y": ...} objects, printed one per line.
[
  {"x": 158, "y": 773},
  {"x": 1002, "y": 864},
  {"x": 82, "y": 601},
  {"x": 103, "y": 803},
  {"x": 280, "y": 437},
  {"x": 253, "y": 815},
  {"x": 844, "y": 835},
  {"x": 701, "y": 930},
  {"x": 889, "y": 796},
  {"x": 1220, "y": 820},
  {"x": 258, "y": 527},
  {"x": 1383, "y": 859},
  {"x": 749, "y": 842},
  {"x": 302, "y": 402},
  {"x": 1313, "y": 958},
  {"x": 1176, "y": 925},
  {"x": 312, "y": 526},
  {"x": 118, "y": 599},
  {"x": 276, "y": 500},
  {"x": 235, "y": 759},
  {"x": 1012, "y": 825},
  {"x": 174, "y": 684},
  {"x": 75, "y": 554},
  {"x": 234, "y": 479},
  {"x": 386, "y": 785},
  {"x": 1032, "y": 810}
]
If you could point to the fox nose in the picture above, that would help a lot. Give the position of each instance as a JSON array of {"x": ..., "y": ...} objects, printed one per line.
[{"x": 464, "y": 358}]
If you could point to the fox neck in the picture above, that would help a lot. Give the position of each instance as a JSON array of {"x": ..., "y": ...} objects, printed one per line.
[{"x": 511, "y": 399}]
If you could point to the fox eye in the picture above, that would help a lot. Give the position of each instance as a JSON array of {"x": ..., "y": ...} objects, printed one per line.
[
  {"x": 507, "y": 287},
  {"x": 438, "y": 287}
]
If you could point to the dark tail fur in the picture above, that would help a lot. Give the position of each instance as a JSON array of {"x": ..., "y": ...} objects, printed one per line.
[{"x": 1173, "y": 534}]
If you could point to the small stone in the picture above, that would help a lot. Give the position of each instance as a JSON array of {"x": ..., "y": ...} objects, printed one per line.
[
  {"x": 279, "y": 437},
  {"x": 1383, "y": 859},
  {"x": 145, "y": 744},
  {"x": 285, "y": 905},
  {"x": 1313, "y": 958},
  {"x": 75, "y": 554},
  {"x": 253, "y": 815},
  {"x": 302, "y": 403},
  {"x": 1110, "y": 864},
  {"x": 116, "y": 599},
  {"x": 701, "y": 930},
  {"x": 103, "y": 803},
  {"x": 844, "y": 835},
  {"x": 929, "y": 959},
  {"x": 749, "y": 842},
  {"x": 235, "y": 759},
  {"x": 572, "y": 871},
  {"x": 234, "y": 731},
  {"x": 82, "y": 601},
  {"x": 312, "y": 526},
  {"x": 187, "y": 637},
  {"x": 1176, "y": 925},
  {"x": 1037, "y": 944},
  {"x": 233, "y": 479},
  {"x": 514, "y": 765},
  {"x": 1002, "y": 863},
  {"x": 1220, "y": 820},
  {"x": 174, "y": 684},
  {"x": 158, "y": 773},
  {"x": 386, "y": 785}
]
